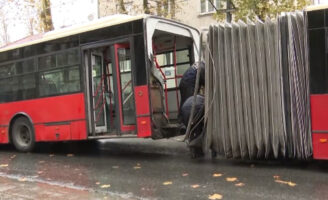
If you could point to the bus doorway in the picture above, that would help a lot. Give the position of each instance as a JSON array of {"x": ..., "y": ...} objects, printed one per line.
[{"x": 108, "y": 75}]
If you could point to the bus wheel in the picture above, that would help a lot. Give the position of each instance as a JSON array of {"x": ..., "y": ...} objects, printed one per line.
[{"x": 23, "y": 135}]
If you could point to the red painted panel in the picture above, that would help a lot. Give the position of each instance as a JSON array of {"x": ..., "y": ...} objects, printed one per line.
[
  {"x": 320, "y": 145},
  {"x": 144, "y": 127},
  {"x": 79, "y": 130},
  {"x": 319, "y": 112},
  {"x": 54, "y": 133},
  {"x": 75, "y": 130},
  {"x": 43, "y": 110},
  {"x": 4, "y": 135},
  {"x": 69, "y": 108},
  {"x": 142, "y": 100}
]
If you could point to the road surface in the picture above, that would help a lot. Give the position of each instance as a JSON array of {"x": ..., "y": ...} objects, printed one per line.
[{"x": 146, "y": 169}]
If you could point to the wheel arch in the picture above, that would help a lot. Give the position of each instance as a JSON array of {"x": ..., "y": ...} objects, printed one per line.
[{"x": 12, "y": 120}]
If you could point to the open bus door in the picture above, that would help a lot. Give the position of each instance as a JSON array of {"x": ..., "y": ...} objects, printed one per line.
[
  {"x": 110, "y": 93},
  {"x": 126, "y": 104}
]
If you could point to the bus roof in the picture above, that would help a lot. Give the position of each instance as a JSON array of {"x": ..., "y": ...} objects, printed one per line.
[
  {"x": 316, "y": 7},
  {"x": 56, "y": 34}
]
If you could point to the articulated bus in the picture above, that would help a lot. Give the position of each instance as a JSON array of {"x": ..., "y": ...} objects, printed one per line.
[{"x": 117, "y": 77}]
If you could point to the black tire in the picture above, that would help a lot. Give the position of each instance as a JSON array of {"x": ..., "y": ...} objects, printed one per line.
[{"x": 22, "y": 135}]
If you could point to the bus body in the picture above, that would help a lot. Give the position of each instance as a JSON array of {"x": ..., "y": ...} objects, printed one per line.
[
  {"x": 317, "y": 37},
  {"x": 117, "y": 77}
]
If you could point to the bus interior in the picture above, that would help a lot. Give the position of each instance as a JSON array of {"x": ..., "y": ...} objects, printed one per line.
[{"x": 172, "y": 54}]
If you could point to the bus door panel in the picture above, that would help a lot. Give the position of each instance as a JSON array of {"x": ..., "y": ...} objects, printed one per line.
[
  {"x": 98, "y": 92},
  {"x": 124, "y": 84}
]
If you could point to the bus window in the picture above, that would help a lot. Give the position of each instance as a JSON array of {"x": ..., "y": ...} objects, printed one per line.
[
  {"x": 25, "y": 66},
  {"x": 60, "y": 81},
  {"x": 7, "y": 70}
]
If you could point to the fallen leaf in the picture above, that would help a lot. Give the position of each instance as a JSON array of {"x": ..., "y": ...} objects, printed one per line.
[
  {"x": 97, "y": 183},
  {"x": 4, "y": 165},
  {"x": 167, "y": 183},
  {"x": 286, "y": 182},
  {"x": 13, "y": 156},
  {"x": 217, "y": 175},
  {"x": 70, "y": 155},
  {"x": 138, "y": 164},
  {"x": 115, "y": 167},
  {"x": 195, "y": 186},
  {"x": 105, "y": 186},
  {"x": 276, "y": 177},
  {"x": 239, "y": 184},
  {"x": 215, "y": 196},
  {"x": 51, "y": 155},
  {"x": 185, "y": 174},
  {"x": 136, "y": 167},
  {"x": 292, "y": 184},
  {"x": 231, "y": 179}
]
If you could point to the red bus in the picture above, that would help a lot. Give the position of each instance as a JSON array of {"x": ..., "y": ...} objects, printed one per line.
[{"x": 117, "y": 77}]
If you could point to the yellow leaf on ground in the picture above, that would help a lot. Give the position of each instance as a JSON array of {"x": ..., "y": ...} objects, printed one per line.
[
  {"x": 286, "y": 182},
  {"x": 239, "y": 184},
  {"x": 217, "y": 175},
  {"x": 115, "y": 167},
  {"x": 231, "y": 179},
  {"x": 195, "y": 186},
  {"x": 136, "y": 167},
  {"x": 185, "y": 174},
  {"x": 215, "y": 196},
  {"x": 70, "y": 155},
  {"x": 167, "y": 183},
  {"x": 4, "y": 165},
  {"x": 292, "y": 184},
  {"x": 105, "y": 186}
]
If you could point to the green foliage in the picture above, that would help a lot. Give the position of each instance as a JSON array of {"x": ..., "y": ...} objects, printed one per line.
[{"x": 262, "y": 8}]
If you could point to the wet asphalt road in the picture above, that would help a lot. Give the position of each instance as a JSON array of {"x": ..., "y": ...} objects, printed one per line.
[{"x": 146, "y": 169}]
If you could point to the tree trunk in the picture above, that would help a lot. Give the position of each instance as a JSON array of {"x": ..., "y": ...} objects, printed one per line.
[
  {"x": 172, "y": 9},
  {"x": 4, "y": 34},
  {"x": 45, "y": 16},
  {"x": 122, "y": 9},
  {"x": 145, "y": 7}
]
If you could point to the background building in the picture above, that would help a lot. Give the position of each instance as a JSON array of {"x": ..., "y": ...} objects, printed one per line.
[{"x": 196, "y": 13}]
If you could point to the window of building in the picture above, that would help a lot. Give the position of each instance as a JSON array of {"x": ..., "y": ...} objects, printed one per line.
[{"x": 206, "y": 6}]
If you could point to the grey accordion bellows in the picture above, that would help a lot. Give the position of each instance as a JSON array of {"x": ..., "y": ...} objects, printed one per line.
[{"x": 257, "y": 89}]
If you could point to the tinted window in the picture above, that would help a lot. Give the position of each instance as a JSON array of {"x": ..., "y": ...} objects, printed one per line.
[
  {"x": 26, "y": 66},
  {"x": 59, "y": 81},
  {"x": 47, "y": 62},
  {"x": 7, "y": 70}
]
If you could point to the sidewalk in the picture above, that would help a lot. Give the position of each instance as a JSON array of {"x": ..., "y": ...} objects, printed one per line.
[{"x": 25, "y": 190}]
